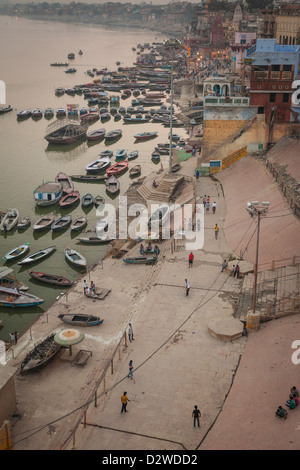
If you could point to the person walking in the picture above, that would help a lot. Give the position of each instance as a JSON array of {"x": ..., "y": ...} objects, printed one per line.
[
  {"x": 196, "y": 416},
  {"x": 130, "y": 332},
  {"x": 224, "y": 265},
  {"x": 16, "y": 337},
  {"x": 85, "y": 287},
  {"x": 216, "y": 231},
  {"x": 207, "y": 206},
  {"x": 130, "y": 376},
  {"x": 12, "y": 338},
  {"x": 191, "y": 259},
  {"x": 124, "y": 400},
  {"x": 187, "y": 287},
  {"x": 237, "y": 271},
  {"x": 214, "y": 207}
]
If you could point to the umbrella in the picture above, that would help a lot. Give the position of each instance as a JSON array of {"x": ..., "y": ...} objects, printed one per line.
[{"x": 68, "y": 338}]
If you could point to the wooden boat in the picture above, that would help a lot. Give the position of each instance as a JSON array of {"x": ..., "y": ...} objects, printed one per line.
[
  {"x": 24, "y": 223},
  {"x": 38, "y": 255},
  {"x": 49, "y": 112},
  {"x": 121, "y": 153},
  {"x": 36, "y": 113},
  {"x": 66, "y": 182},
  {"x": 136, "y": 119},
  {"x": 48, "y": 193},
  {"x": 13, "y": 298},
  {"x": 76, "y": 258},
  {"x": 145, "y": 135},
  {"x": 5, "y": 109},
  {"x": 60, "y": 64},
  {"x": 106, "y": 153},
  {"x": 44, "y": 222},
  {"x": 133, "y": 154},
  {"x": 61, "y": 112},
  {"x": 112, "y": 185},
  {"x": 117, "y": 168},
  {"x": 41, "y": 355},
  {"x": 50, "y": 278},
  {"x": 94, "y": 240},
  {"x": 96, "y": 134},
  {"x": 176, "y": 167},
  {"x": 135, "y": 170},
  {"x": 69, "y": 199},
  {"x": 89, "y": 178},
  {"x": 140, "y": 260},
  {"x": 78, "y": 224},
  {"x": 87, "y": 200},
  {"x": 65, "y": 132},
  {"x": 9, "y": 220},
  {"x": 98, "y": 165},
  {"x": 16, "y": 252},
  {"x": 155, "y": 155},
  {"x": 26, "y": 113},
  {"x": 8, "y": 279},
  {"x": 61, "y": 223},
  {"x": 99, "y": 200},
  {"x": 80, "y": 319},
  {"x": 90, "y": 117},
  {"x": 113, "y": 134}
]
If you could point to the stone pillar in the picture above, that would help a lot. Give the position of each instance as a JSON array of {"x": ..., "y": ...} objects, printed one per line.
[{"x": 253, "y": 320}]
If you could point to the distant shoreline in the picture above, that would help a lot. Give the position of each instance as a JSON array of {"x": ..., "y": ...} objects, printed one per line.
[{"x": 106, "y": 24}]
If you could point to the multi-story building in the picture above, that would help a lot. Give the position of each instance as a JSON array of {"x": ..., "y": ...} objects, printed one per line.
[
  {"x": 273, "y": 69},
  {"x": 242, "y": 41},
  {"x": 282, "y": 23}
]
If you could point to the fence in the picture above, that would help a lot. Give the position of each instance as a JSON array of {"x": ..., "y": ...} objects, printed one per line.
[{"x": 287, "y": 191}]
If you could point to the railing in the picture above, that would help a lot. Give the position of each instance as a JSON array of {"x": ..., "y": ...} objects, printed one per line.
[
  {"x": 226, "y": 101},
  {"x": 279, "y": 263},
  {"x": 284, "y": 188}
]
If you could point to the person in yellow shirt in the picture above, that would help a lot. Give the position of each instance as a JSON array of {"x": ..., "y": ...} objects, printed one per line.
[
  {"x": 124, "y": 400},
  {"x": 216, "y": 231}
]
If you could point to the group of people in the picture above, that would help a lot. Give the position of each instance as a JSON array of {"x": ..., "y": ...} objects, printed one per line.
[
  {"x": 14, "y": 337},
  {"x": 291, "y": 403},
  {"x": 206, "y": 203},
  {"x": 149, "y": 249},
  {"x": 88, "y": 290}
]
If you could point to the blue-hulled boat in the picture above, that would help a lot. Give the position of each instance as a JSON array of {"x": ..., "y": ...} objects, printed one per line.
[
  {"x": 14, "y": 298},
  {"x": 121, "y": 153},
  {"x": 141, "y": 260},
  {"x": 16, "y": 252},
  {"x": 87, "y": 200}
]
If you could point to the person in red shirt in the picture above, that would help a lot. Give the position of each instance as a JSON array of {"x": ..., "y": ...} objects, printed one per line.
[{"x": 191, "y": 259}]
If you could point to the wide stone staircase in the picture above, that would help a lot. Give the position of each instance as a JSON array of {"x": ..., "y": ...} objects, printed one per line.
[
  {"x": 167, "y": 185},
  {"x": 277, "y": 293}
]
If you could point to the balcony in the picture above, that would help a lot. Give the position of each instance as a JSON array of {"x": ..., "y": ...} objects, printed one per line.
[{"x": 229, "y": 101}]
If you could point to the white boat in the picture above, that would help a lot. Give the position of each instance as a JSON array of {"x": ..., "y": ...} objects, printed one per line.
[
  {"x": 37, "y": 255},
  {"x": 16, "y": 252},
  {"x": 98, "y": 165},
  {"x": 76, "y": 258},
  {"x": 10, "y": 220}
]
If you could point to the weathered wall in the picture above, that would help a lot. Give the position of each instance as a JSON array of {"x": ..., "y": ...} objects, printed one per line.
[
  {"x": 236, "y": 129},
  {"x": 8, "y": 402}
]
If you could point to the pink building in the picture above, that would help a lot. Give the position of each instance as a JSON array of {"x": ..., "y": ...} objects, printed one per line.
[{"x": 242, "y": 41}]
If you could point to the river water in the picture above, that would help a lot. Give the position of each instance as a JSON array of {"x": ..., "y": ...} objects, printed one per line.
[{"x": 28, "y": 48}]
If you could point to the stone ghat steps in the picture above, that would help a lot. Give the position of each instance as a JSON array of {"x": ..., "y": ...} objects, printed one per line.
[
  {"x": 164, "y": 191},
  {"x": 277, "y": 291}
]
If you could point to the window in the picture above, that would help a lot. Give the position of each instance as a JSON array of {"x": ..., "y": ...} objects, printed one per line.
[
  {"x": 287, "y": 68},
  {"x": 275, "y": 68},
  {"x": 285, "y": 97},
  {"x": 272, "y": 97}
]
